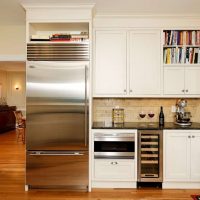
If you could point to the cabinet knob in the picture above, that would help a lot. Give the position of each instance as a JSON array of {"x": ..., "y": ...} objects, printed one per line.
[
  {"x": 131, "y": 90},
  {"x": 114, "y": 163},
  {"x": 186, "y": 90},
  {"x": 183, "y": 90},
  {"x": 193, "y": 136},
  {"x": 124, "y": 90},
  {"x": 189, "y": 136}
]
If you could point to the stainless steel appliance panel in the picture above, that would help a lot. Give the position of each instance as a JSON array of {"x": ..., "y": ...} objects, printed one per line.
[
  {"x": 57, "y": 169},
  {"x": 150, "y": 156},
  {"x": 57, "y": 106},
  {"x": 115, "y": 145},
  {"x": 58, "y": 51}
]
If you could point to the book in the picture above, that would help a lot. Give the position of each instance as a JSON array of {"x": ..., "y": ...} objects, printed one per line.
[
  {"x": 187, "y": 56},
  {"x": 199, "y": 56},
  {"x": 190, "y": 55},
  {"x": 196, "y": 52},
  {"x": 165, "y": 56},
  {"x": 168, "y": 56},
  {"x": 184, "y": 38},
  {"x": 193, "y": 37}
]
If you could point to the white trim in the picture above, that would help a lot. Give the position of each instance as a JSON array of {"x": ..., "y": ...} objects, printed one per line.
[
  {"x": 147, "y": 21},
  {"x": 180, "y": 185},
  {"x": 21, "y": 58},
  {"x": 114, "y": 184},
  {"x": 30, "y": 5}
]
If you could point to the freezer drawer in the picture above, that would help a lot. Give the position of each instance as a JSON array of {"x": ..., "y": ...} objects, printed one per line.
[{"x": 57, "y": 169}]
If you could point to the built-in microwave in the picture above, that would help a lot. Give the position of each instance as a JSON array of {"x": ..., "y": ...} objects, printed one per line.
[{"x": 114, "y": 145}]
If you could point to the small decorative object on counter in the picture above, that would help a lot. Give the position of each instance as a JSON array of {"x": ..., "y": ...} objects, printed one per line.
[
  {"x": 161, "y": 117},
  {"x": 118, "y": 115}
]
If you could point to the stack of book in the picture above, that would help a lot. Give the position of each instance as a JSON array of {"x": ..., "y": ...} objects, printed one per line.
[
  {"x": 72, "y": 36},
  {"x": 181, "y": 55},
  {"x": 174, "y": 37},
  {"x": 40, "y": 38}
]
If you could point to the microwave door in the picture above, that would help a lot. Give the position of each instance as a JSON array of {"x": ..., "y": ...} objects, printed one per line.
[{"x": 56, "y": 106}]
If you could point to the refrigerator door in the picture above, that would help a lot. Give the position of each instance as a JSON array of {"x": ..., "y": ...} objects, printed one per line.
[
  {"x": 57, "y": 169},
  {"x": 57, "y": 110}
]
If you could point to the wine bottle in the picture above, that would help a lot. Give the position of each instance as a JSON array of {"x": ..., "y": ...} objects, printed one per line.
[{"x": 161, "y": 117}]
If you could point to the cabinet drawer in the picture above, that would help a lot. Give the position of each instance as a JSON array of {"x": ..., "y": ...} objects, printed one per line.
[{"x": 114, "y": 169}]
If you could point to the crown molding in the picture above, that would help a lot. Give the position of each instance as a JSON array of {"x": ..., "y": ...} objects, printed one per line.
[
  {"x": 31, "y": 5},
  {"x": 145, "y": 15}
]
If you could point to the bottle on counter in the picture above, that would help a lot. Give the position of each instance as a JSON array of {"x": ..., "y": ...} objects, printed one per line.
[{"x": 161, "y": 117}]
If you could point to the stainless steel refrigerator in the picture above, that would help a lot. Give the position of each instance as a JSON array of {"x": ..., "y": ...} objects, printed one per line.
[{"x": 57, "y": 124}]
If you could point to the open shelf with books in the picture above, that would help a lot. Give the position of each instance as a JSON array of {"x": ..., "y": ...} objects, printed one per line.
[
  {"x": 181, "y": 47},
  {"x": 181, "y": 62},
  {"x": 73, "y": 32}
]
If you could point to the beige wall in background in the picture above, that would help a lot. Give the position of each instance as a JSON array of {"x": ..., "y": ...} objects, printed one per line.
[
  {"x": 13, "y": 40},
  {"x": 102, "y": 108},
  {"x": 3, "y": 78},
  {"x": 16, "y": 97},
  {"x": 8, "y": 80}
]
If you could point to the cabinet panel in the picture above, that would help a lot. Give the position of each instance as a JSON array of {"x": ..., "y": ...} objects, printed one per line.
[
  {"x": 195, "y": 156},
  {"x": 114, "y": 169},
  {"x": 110, "y": 63},
  {"x": 145, "y": 67},
  {"x": 177, "y": 157},
  {"x": 192, "y": 81},
  {"x": 174, "y": 80}
]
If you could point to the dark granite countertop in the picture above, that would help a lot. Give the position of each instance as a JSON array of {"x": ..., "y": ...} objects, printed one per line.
[{"x": 143, "y": 126}]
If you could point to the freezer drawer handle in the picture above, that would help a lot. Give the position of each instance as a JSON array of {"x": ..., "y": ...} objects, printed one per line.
[{"x": 56, "y": 154}]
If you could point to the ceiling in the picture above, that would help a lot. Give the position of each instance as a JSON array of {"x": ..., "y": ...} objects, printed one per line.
[{"x": 11, "y": 11}]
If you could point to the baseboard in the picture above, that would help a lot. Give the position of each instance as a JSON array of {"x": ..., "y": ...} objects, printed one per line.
[
  {"x": 113, "y": 184},
  {"x": 181, "y": 185}
]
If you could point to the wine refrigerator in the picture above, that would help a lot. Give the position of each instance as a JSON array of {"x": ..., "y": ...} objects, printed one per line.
[{"x": 150, "y": 156}]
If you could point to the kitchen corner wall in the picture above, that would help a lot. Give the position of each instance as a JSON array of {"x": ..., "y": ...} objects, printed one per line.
[{"x": 102, "y": 108}]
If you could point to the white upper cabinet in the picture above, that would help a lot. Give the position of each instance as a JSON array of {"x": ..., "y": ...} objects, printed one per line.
[
  {"x": 145, "y": 70},
  {"x": 192, "y": 80},
  {"x": 114, "y": 51},
  {"x": 181, "y": 61},
  {"x": 110, "y": 63},
  {"x": 174, "y": 80},
  {"x": 182, "y": 81}
]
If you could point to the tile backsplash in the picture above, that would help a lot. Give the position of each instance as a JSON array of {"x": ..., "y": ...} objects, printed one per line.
[{"x": 102, "y": 108}]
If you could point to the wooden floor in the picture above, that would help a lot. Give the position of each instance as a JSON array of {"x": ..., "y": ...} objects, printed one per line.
[{"x": 12, "y": 179}]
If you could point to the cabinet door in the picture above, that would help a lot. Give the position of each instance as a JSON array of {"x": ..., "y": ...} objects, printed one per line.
[
  {"x": 195, "y": 157},
  {"x": 176, "y": 156},
  {"x": 174, "y": 80},
  {"x": 192, "y": 80},
  {"x": 145, "y": 70},
  {"x": 110, "y": 63},
  {"x": 114, "y": 169}
]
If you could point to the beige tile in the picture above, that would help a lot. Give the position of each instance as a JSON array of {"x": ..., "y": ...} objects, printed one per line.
[{"x": 102, "y": 108}]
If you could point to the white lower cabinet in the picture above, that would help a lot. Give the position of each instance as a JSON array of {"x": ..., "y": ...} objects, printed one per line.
[
  {"x": 195, "y": 156},
  {"x": 108, "y": 169},
  {"x": 114, "y": 169},
  {"x": 181, "y": 159}
]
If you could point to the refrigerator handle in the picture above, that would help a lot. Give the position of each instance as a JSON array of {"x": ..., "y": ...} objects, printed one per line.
[
  {"x": 56, "y": 154},
  {"x": 86, "y": 105}
]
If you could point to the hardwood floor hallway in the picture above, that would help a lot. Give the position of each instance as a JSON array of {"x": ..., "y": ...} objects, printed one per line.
[{"x": 12, "y": 180}]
